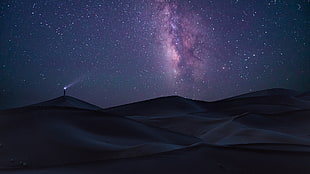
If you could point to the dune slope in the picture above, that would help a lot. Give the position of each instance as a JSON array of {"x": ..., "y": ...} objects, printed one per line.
[{"x": 40, "y": 137}]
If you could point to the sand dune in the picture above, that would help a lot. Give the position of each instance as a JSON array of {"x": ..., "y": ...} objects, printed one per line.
[
  {"x": 262, "y": 132},
  {"x": 54, "y": 136},
  {"x": 173, "y": 105},
  {"x": 268, "y": 92},
  {"x": 304, "y": 96},
  {"x": 269, "y": 116},
  {"x": 67, "y": 101},
  {"x": 200, "y": 159}
]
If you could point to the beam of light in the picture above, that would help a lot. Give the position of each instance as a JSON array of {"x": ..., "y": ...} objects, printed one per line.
[{"x": 76, "y": 81}]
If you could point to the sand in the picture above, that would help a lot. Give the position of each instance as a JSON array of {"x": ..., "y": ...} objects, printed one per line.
[{"x": 261, "y": 132}]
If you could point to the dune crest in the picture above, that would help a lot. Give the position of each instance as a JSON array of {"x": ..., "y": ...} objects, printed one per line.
[{"x": 67, "y": 101}]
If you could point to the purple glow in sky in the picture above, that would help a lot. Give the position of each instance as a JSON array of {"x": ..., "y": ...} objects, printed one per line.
[{"x": 184, "y": 42}]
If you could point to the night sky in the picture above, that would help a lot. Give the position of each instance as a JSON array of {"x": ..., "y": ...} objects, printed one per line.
[{"x": 112, "y": 52}]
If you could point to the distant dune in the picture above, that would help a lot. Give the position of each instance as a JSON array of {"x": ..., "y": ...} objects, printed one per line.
[{"x": 261, "y": 132}]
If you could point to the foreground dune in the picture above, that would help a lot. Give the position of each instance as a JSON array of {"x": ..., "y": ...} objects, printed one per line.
[{"x": 262, "y": 132}]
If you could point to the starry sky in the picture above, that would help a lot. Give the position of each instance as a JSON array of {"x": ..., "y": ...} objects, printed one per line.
[{"x": 113, "y": 52}]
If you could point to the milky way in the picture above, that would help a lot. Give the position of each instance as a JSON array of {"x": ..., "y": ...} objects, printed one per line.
[{"x": 183, "y": 38}]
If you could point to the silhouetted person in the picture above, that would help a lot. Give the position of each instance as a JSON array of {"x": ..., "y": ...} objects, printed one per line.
[{"x": 65, "y": 91}]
